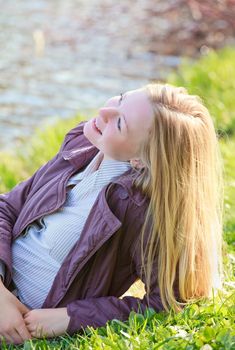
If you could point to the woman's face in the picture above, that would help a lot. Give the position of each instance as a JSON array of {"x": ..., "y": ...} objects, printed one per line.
[{"x": 121, "y": 125}]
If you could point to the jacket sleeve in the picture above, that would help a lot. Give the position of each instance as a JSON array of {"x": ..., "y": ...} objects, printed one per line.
[
  {"x": 97, "y": 311},
  {"x": 10, "y": 207},
  {"x": 12, "y": 202}
]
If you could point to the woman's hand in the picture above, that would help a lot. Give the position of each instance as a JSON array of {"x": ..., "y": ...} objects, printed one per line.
[
  {"x": 47, "y": 322},
  {"x": 12, "y": 325}
]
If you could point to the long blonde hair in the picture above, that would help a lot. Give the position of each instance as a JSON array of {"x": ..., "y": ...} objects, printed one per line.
[{"x": 183, "y": 177}]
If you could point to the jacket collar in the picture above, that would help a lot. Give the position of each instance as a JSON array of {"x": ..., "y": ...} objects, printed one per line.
[{"x": 80, "y": 157}]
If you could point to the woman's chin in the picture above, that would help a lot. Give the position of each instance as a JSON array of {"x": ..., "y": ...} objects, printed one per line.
[
  {"x": 89, "y": 134},
  {"x": 87, "y": 129}
]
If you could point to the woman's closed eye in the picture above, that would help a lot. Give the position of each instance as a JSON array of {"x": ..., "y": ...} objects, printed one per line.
[
  {"x": 119, "y": 124},
  {"x": 119, "y": 119}
]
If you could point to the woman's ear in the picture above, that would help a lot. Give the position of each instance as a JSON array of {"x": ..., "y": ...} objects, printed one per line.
[{"x": 136, "y": 163}]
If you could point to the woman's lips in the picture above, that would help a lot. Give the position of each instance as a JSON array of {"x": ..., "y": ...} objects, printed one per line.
[{"x": 94, "y": 126}]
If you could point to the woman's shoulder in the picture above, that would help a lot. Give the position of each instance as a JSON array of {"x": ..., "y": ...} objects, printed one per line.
[{"x": 123, "y": 188}]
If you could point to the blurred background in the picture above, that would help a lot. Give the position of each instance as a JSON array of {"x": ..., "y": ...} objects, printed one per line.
[{"x": 63, "y": 57}]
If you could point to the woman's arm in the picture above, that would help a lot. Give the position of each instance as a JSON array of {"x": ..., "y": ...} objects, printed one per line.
[
  {"x": 94, "y": 312},
  {"x": 11, "y": 203}
]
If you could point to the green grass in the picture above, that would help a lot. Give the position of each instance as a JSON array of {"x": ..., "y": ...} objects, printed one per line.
[
  {"x": 227, "y": 148},
  {"x": 199, "y": 324}
]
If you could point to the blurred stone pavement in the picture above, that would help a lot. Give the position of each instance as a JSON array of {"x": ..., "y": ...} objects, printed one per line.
[{"x": 61, "y": 57}]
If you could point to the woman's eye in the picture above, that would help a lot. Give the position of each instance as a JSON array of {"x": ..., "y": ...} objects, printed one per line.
[{"x": 119, "y": 124}]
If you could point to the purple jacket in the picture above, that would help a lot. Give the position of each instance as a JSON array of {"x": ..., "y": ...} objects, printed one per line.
[{"x": 105, "y": 261}]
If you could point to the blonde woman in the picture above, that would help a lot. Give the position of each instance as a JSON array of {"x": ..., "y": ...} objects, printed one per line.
[{"x": 134, "y": 193}]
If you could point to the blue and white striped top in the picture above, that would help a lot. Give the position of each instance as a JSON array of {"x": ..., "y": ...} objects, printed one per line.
[{"x": 39, "y": 253}]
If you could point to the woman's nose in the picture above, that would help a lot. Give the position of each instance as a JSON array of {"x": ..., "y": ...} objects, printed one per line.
[{"x": 108, "y": 112}]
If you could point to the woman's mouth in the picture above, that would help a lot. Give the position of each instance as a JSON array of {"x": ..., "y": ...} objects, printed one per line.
[{"x": 95, "y": 127}]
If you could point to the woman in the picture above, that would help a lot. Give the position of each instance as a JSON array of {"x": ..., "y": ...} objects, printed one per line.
[{"x": 132, "y": 194}]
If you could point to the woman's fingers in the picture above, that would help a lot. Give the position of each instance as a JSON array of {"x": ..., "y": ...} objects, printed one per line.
[
  {"x": 16, "y": 337},
  {"x": 34, "y": 331},
  {"x": 38, "y": 333},
  {"x": 16, "y": 334},
  {"x": 12, "y": 338},
  {"x": 24, "y": 332},
  {"x": 12, "y": 325},
  {"x": 30, "y": 328}
]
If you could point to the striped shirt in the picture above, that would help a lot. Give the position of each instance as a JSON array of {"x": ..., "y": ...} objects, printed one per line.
[{"x": 38, "y": 253}]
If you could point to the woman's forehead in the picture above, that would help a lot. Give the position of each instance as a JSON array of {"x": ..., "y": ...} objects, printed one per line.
[
  {"x": 138, "y": 108},
  {"x": 137, "y": 100}
]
